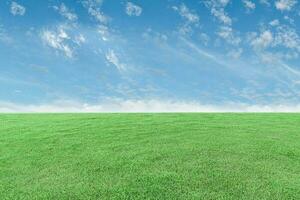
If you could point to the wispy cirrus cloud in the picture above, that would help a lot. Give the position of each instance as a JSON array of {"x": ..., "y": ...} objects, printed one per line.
[
  {"x": 17, "y": 9},
  {"x": 265, "y": 2},
  {"x": 217, "y": 9},
  {"x": 249, "y": 5},
  {"x": 190, "y": 17},
  {"x": 113, "y": 59},
  {"x": 235, "y": 53},
  {"x": 66, "y": 36},
  {"x": 287, "y": 37},
  {"x": 104, "y": 32},
  {"x": 79, "y": 39},
  {"x": 281, "y": 36},
  {"x": 133, "y": 9},
  {"x": 285, "y": 5},
  {"x": 94, "y": 9},
  {"x": 58, "y": 41},
  {"x": 262, "y": 41},
  {"x": 227, "y": 33},
  {"x": 108, "y": 36},
  {"x": 64, "y": 11},
  {"x": 274, "y": 22},
  {"x": 186, "y": 13}
]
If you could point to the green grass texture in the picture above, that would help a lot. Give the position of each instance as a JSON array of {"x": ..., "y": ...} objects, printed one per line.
[{"x": 150, "y": 156}]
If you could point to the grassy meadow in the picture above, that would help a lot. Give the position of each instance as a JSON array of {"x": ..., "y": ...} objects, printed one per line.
[{"x": 149, "y": 156}]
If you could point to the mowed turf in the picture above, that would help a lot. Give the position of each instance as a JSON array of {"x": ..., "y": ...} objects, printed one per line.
[{"x": 150, "y": 156}]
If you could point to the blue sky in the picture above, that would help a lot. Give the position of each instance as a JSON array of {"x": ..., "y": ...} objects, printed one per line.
[{"x": 102, "y": 54}]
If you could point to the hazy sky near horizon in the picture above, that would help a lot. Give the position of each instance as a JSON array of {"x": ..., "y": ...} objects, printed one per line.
[{"x": 205, "y": 51}]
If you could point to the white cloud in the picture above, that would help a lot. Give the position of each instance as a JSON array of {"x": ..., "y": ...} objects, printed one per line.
[
  {"x": 287, "y": 37},
  {"x": 58, "y": 40},
  {"x": 222, "y": 16},
  {"x": 190, "y": 17},
  {"x": 93, "y": 8},
  {"x": 204, "y": 38},
  {"x": 277, "y": 57},
  {"x": 249, "y": 4},
  {"x": 263, "y": 41},
  {"x": 185, "y": 29},
  {"x": 221, "y": 2},
  {"x": 217, "y": 9},
  {"x": 269, "y": 58},
  {"x": 235, "y": 53},
  {"x": 112, "y": 58},
  {"x": 65, "y": 12},
  {"x": 17, "y": 9},
  {"x": 157, "y": 37},
  {"x": 63, "y": 38},
  {"x": 276, "y": 60},
  {"x": 282, "y": 36},
  {"x": 226, "y": 32},
  {"x": 79, "y": 39},
  {"x": 275, "y": 22},
  {"x": 285, "y": 5},
  {"x": 265, "y": 2},
  {"x": 133, "y": 10},
  {"x": 199, "y": 50},
  {"x": 186, "y": 13},
  {"x": 148, "y": 106},
  {"x": 284, "y": 40},
  {"x": 104, "y": 32},
  {"x": 290, "y": 69},
  {"x": 216, "y": 58}
]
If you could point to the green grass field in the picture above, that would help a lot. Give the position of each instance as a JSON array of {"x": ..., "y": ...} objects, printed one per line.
[{"x": 150, "y": 156}]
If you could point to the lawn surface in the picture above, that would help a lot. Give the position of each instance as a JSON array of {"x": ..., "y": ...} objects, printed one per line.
[{"x": 150, "y": 156}]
